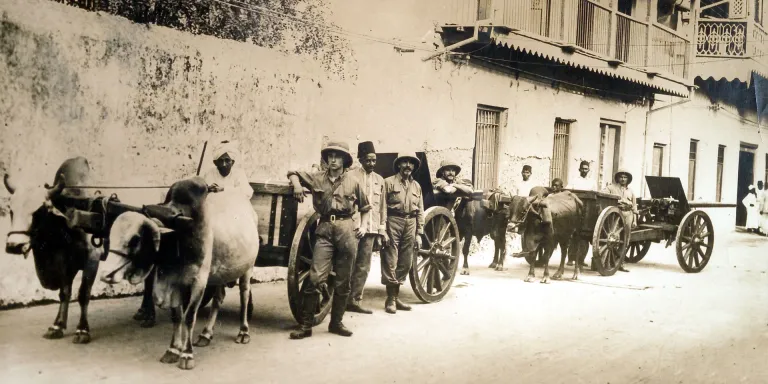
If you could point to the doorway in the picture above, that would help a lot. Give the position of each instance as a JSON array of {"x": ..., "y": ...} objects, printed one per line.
[{"x": 745, "y": 179}]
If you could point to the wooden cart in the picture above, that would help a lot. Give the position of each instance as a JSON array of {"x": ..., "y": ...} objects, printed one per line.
[{"x": 667, "y": 216}]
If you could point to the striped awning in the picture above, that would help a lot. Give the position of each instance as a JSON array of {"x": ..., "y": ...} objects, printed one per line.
[{"x": 552, "y": 50}]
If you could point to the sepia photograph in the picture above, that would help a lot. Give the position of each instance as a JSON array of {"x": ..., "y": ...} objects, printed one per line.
[{"x": 399, "y": 191}]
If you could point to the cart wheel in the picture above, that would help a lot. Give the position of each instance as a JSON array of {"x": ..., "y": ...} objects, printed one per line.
[
  {"x": 695, "y": 239},
  {"x": 636, "y": 251},
  {"x": 609, "y": 241},
  {"x": 435, "y": 264},
  {"x": 299, "y": 263}
]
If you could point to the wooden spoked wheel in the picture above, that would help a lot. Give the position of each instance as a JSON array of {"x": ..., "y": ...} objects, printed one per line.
[
  {"x": 636, "y": 251},
  {"x": 435, "y": 264},
  {"x": 299, "y": 263},
  {"x": 695, "y": 240},
  {"x": 609, "y": 241}
]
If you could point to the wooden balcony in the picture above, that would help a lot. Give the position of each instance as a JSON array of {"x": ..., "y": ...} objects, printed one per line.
[
  {"x": 585, "y": 25},
  {"x": 730, "y": 40}
]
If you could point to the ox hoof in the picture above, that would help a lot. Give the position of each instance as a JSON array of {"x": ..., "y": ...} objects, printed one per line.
[
  {"x": 500, "y": 268},
  {"x": 545, "y": 280},
  {"x": 575, "y": 277},
  {"x": 54, "y": 333},
  {"x": 187, "y": 361},
  {"x": 465, "y": 272},
  {"x": 557, "y": 277},
  {"x": 170, "y": 357},
  {"x": 243, "y": 338},
  {"x": 203, "y": 340},
  {"x": 493, "y": 265},
  {"x": 529, "y": 279},
  {"x": 141, "y": 314},
  {"x": 82, "y": 337},
  {"x": 148, "y": 323}
]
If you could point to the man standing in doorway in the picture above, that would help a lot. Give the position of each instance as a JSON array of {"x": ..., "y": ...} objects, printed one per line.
[
  {"x": 627, "y": 202},
  {"x": 578, "y": 249},
  {"x": 375, "y": 227},
  {"x": 336, "y": 196},
  {"x": 405, "y": 225},
  {"x": 523, "y": 188}
]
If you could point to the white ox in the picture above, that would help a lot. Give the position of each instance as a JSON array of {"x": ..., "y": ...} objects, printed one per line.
[{"x": 220, "y": 250}]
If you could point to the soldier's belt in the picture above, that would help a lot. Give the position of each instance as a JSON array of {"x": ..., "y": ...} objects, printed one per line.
[
  {"x": 401, "y": 214},
  {"x": 334, "y": 218}
]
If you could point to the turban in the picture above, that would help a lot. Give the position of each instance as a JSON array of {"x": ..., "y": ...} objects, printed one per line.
[{"x": 227, "y": 147}]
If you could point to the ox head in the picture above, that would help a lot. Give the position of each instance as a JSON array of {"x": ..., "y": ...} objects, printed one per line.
[
  {"x": 134, "y": 243},
  {"x": 26, "y": 204}
]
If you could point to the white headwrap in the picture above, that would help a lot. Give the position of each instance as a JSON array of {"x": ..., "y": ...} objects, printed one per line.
[{"x": 229, "y": 148}]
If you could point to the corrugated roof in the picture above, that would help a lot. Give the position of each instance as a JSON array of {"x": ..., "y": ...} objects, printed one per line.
[{"x": 550, "y": 50}]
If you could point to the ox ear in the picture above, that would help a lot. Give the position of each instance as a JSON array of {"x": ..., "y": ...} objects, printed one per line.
[
  {"x": 53, "y": 210},
  {"x": 9, "y": 184}
]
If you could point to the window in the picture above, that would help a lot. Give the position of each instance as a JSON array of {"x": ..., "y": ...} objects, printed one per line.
[
  {"x": 692, "y": 168},
  {"x": 559, "y": 168},
  {"x": 759, "y": 11},
  {"x": 610, "y": 139},
  {"x": 765, "y": 177},
  {"x": 486, "y": 162},
  {"x": 658, "y": 160},
  {"x": 720, "y": 161}
]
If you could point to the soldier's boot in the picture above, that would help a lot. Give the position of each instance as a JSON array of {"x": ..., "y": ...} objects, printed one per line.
[
  {"x": 307, "y": 317},
  {"x": 354, "y": 306},
  {"x": 399, "y": 304},
  {"x": 337, "y": 313},
  {"x": 389, "y": 305}
]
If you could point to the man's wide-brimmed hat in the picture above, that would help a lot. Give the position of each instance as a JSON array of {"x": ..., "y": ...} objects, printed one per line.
[
  {"x": 622, "y": 172},
  {"x": 364, "y": 148},
  {"x": 402, "y": 156},
  {"x": 338, "y": 146},
  {"x": 445, "y": 164}
]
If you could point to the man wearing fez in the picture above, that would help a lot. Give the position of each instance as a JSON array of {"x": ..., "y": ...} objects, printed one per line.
[
  {"x": 523, "y": 187},
  {"x": 447, "y": 187},
  {"x": 405, "y": 225},
  {"x": 375, "y": 226},
  {"x": 336, "y": 195},
  {"x": 627, "y": 201}
]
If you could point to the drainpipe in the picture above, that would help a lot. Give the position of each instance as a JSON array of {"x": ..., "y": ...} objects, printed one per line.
[
  {"x": 475, "y": 37},
  {"x": 645, "y": 135}
]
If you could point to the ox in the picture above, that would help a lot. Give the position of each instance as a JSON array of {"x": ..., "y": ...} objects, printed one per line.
[
  {"x": 219, "y": 248},
  {"x": 59, "y": 252},
  {"x": 565, "y": 210}
]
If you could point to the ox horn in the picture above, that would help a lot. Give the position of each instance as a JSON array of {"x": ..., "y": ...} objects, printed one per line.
[
  {"x": 57, "y": 188},
  {"x": 9, "y": 184},
  {"x": 531, "y": 199}
]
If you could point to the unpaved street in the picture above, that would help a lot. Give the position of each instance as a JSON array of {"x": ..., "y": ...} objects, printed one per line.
[{"x": 656, "y": 324}]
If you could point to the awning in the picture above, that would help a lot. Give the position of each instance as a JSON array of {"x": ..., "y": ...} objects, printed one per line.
[
  {"x": 761, "y": 97},
  {"x": 551, "y": 50},
  {"x": 728, "y": 68}
]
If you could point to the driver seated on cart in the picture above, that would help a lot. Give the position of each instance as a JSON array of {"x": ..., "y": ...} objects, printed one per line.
[
  {"x": 225, "y": 175},
  {"x": 448, "y": 187},
  {"x": 627, "y": 201},
  {"x": 336, "y": 196}
]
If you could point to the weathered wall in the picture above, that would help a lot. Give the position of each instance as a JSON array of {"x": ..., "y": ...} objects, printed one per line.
[{"x": 139, "y": 101}]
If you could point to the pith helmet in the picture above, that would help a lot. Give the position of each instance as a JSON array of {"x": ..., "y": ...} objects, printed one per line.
[
  {"x": 401, "y": 156},
  {"x": 447, "y": 164},
  {"x": 339, "y": 146},
  {"x": 622, "y": 172},
  {"x": 364, "y": 148}
]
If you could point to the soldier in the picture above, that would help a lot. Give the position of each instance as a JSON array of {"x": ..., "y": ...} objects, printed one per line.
[
  {"x": 523, "y": 187},
  {"x": 627, "y": 203},
  {"x": 375, "y": 227},
  {"x": 405, "y": 225},
  {"x": 336, "y": 196},
  {"x": 579, "y": 248},
  {"x": 447, "y": 187}
]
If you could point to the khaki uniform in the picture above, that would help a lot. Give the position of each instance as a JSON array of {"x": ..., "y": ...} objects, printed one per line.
[
  {"x": 627, "y": 211},
  {"x": 375, "y": 225},
  {"x": 405, "y": 220},
  {"x": 463, "y": 189}
]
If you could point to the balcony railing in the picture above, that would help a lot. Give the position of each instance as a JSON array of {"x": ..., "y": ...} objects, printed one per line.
[{"x": 587, "y": 24}]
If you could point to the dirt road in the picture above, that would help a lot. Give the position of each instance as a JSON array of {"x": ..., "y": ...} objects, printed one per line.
[{"x": 655, "y": 324}]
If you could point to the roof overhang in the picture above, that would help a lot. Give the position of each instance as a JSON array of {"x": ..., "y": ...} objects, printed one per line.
[
  {"x": 578, "y": 58},
  {"x": 728, "y": 69}
]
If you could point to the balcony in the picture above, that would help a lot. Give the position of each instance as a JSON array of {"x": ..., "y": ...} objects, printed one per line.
[
  {"x": 586, "y": 26},
  {"x": 721, "y": 43}
]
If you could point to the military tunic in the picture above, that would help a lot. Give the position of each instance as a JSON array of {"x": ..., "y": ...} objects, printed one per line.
[{"x": 375, "y": 225}]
